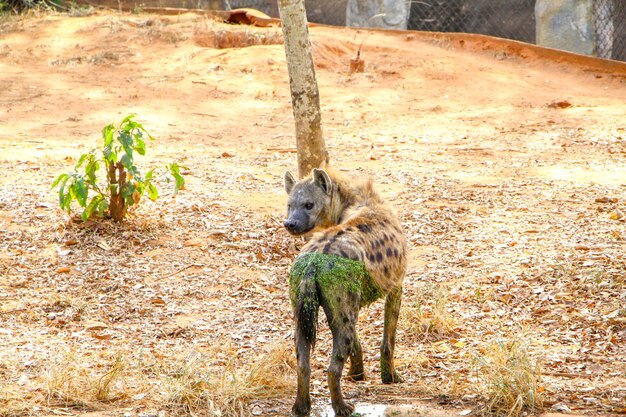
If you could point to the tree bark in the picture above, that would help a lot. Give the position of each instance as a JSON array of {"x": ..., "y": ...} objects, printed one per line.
[
  {"x": 304, "y": 92},
  {"x": 117, "y": 205}
]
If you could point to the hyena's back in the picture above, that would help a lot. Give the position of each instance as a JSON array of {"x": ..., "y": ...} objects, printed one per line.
[{"x": 371, "y": 234}]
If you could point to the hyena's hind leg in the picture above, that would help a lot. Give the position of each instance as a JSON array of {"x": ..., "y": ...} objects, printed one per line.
[
  {"x": 357, "y": 370},
  {"x": 302, "y": 406},
  {"x": 306, "y": 305},
  {"x": 392, "y": 310},
  {"x": 342, "y": 309}
]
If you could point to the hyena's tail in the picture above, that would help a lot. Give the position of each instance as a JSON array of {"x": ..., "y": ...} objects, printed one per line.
[{"x": 304, "y": 296}]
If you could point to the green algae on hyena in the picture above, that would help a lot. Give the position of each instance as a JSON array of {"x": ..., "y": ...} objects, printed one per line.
[{"x": 337, "y": 275}]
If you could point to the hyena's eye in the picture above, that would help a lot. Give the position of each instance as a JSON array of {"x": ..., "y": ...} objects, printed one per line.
[{"x": 308, "y": 206}]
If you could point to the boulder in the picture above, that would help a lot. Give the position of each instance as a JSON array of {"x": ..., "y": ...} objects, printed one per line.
[
  {"x": 566, "y": 24},
  {"x": 387, "y": 14}
]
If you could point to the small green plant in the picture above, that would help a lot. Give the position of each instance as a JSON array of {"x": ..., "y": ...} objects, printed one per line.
[{"x": 124, "y": 185}]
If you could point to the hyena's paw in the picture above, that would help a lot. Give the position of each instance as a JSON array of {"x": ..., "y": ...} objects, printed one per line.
[
  {"x": 301, "y": 409},
  {"x": 343, "y": 409},
  {"x": 391, "y": 377}
]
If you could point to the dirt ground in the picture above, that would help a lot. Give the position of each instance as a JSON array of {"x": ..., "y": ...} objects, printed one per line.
[{"x": 506, "y": 165}]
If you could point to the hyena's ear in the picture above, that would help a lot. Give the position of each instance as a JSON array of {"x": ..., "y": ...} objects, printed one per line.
[
  {"x": 322, "y": 180},
  {"x": 290, "y": 181}
]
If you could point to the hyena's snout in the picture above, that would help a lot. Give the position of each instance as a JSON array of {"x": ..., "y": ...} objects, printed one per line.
[
  {"x": 291, "y": 226},
  {"x": 298, "y": 224},
  {"x": 295, "y": 227}
]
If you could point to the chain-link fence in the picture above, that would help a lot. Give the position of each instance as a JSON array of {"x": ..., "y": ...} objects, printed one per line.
[
  {"x": 515, "y": 19},
  {"x": 610, "y": 28},
  {"x": 511, "y": 19}
]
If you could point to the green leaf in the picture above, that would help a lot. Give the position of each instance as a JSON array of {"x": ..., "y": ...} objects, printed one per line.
[
  {"x": 140, "y": 187},
  {"x": 127, "y": 119},
  {"x": 140, "y": 145},
  {"x": 109, "y": 154},
  {"x": 127, "y": 161},
  {"x": 126, "y": 140},
  {"x": 81, "y": 160},
  {"x": 64, "y": 197},
  {"x": 153, "y": 193},
  {"x": 174, "y": 169},
  {"x": 91, "y": 169},
  {"x": 128, "y": 124},
  {"x": 103, "y": 206},
  {"x": 107, "y": 134},
  {"x": 66, "y": 176},
  {"x": 92, "y": 207},
  {"x": 80, "y": 191},
  {"x": 127, "y": 193},
  {"x": 149, "y": 175}
]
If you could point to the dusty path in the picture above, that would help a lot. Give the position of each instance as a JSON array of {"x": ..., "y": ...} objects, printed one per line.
[{"x": 506, "y": 169}]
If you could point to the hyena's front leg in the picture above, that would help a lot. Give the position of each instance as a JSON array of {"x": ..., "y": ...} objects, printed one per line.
[
  {"x": 302, "y": 407},
  {"x": 357, "y": 371},
  {"x": 392, "y": 311}
]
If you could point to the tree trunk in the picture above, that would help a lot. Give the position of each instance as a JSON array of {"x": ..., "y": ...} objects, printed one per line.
[
  {"x": 304, "y": 93},
  {"x": 117, "y": 178}
]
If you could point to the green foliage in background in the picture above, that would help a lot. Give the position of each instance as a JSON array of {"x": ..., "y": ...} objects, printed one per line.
[{"x": 22, "y": 6}]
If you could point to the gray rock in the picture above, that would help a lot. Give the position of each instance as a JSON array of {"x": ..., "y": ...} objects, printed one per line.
[
  {"x": 566, "y": 24},
  {"x": 388, "y": 14}
]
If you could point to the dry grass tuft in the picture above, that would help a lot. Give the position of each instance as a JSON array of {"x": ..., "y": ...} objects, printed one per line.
[
  {"x": 509, "y": 378},
  {"x": 10, "y": 23},
  {"x": 185, "y": 388},
  {"x": 65, "y": 382},
  {"x": 104, "y": 387},
  {"x": 226, "y": 390},
  {"x": 273, "y": 374},
  {"x": 430, "y": 314},
  {"x": 69, "y": 383}
]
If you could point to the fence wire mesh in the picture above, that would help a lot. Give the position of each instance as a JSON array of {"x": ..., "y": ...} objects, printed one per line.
[
  {"x": 610, "y": 28},
  {"x": 511, "y": 19}
]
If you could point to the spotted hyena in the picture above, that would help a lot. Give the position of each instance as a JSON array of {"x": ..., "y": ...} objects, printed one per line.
[{"x": 356, "y": 254}]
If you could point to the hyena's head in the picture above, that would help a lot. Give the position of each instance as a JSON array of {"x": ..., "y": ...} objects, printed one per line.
[{"x": 309, "y": 202}]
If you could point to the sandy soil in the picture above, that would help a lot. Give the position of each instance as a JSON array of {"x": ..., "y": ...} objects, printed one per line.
[{"x": 505, "y": 163}]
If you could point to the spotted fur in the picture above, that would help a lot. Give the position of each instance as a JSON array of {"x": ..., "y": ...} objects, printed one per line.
[{"x": 346, "y": 218}]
